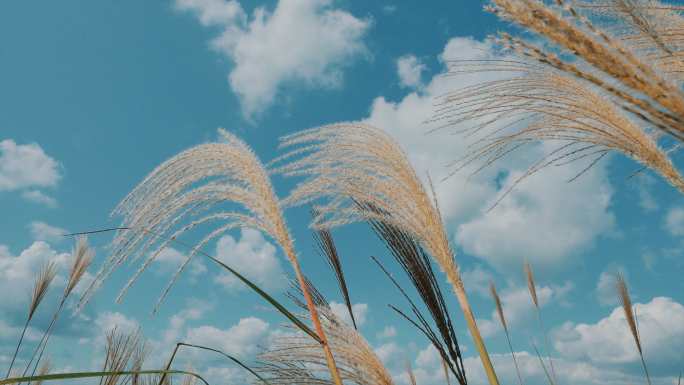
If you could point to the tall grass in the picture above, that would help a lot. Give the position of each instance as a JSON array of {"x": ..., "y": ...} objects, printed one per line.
[
  {"x": 204, "y": 177},
  {"x": 352, "y": 163},
  {"x": 610, "y": 89}
]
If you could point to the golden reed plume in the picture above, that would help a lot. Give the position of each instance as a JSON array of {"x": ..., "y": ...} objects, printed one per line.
[
  {"x": 178, "y": 196},
  {"x": 359, "y": 167}
]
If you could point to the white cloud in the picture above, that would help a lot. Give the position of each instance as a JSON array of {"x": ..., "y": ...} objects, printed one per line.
[
  {"x": 252, "y": 256},
  {"x": 37, "y": 196},
  {"x": 108, "y": 320},
  {"x": 242, "y": 339},
  {"x": 518, "y": 307},
  {"x": 477, "y": 280},
  {"x": 674, "y": 221},
  {"x": 17, "y": 273},
  {"x": 388, "y": 352},
  {"x": 606, "y": 289},
  {"x": 25, "y": 166},
  {"x": 169, "y": 259},
  {"x": 410, "y": 70},
  {"x": 387, "y": 332},
  {"x": 644, "y": 186},
  {"x": 544, "y": 219},
  {"x": 661, "y": 328},
  {"x": 360, "y": 311},
  {"x": 269, "y": 50},
  {"x": 41, "y": 231}
]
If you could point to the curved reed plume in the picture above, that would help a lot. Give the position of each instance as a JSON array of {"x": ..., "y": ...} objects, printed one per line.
[
  {"x": 297, "y": 360},
  {"x": 40, "y": 288},
  {"x": 654, "y": 30},
  {"x": 578, "y": 35},
  {"x": 536, "y": 103},
  {"x": 82, "y": 255},
  {"x": 626, "y": 301},
  {"x": 502, "y": 319},
  {"x": 182, "y": 190},
  {"x": 354, "y": 163}
]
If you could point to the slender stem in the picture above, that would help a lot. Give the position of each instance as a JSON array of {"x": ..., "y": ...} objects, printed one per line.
[
  {"x": 334, "y": 373},
  {"x": 44, "y": 340},
  {"x": 547, "y": 346},
  {"x": 179, "y": 344},
  {"x": 16, "y": 351},
  {"x": 454, "y": 278},
  {"x": 515, "y": 360}
]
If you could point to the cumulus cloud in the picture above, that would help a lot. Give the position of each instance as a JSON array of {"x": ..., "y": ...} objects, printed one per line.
[
  {"x": 428, "y": 371},
  {"x": 410, "y": 71},
  {"x": 518, "y": 306},
  {"x": 608, "y": 341},
  {"x": 544, "y": 219},
  {"x": 387, "y": 332},
  {"x": 240, "y": 340},
  {"x": 254, "y": 257},
  {"x": 269, "y": 50},
  {"x": 674, "y": 221},
  {"x": 360, "y": 312},
  {"x": 169, "y": 259},
  {"x": 17, "y": 273},
  {"x": 26, "y": 165},
  {"x": 37, "y": 196},
  {"x": 41, "y": 231}
]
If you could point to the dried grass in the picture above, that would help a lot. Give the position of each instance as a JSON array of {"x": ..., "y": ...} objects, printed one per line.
[
  {"x": 182, "y": 190},
  {"x": 626, "y": 301},
  {"x": 352, "y": 163},
  {"x": 296, "y": 359}
]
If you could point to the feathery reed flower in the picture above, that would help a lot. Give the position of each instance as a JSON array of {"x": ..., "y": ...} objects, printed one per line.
[
  {"x": 502, "y": 319},
  {"x": 182, "y": 190},
  {"x": 615, "y": 88},
  {"x": 294, "y": 359},
  {"x": 353, "y": 163},
  {"x": 121, "y": 350},
  {"x": 535, "y": 103},
  {"x": 626, "y": 301},
  {"x": 40, "y": 287},
  {"x": 535, "y": 300},
  {"x": 82, "y": 255}
]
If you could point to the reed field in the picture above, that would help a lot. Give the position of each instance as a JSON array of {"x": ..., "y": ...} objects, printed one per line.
[{"x": 585, "y": 78}]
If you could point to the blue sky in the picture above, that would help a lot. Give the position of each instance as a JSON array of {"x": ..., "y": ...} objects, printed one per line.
[{"x": 94, "y": 95}]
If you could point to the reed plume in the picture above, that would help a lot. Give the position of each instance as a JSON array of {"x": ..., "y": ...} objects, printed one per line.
[
  {"x": 182, "y": 190},
  {"x": 579, "y": 36},
  {"x": 532, "y": 103},
  {"x": 502, "y": 319},
  {"x": 40, "y": 288},
  {"x": 82, "y": 256},
  {"x": 409, "y": 371},
  {"x": 535, "y": 300},
  {"x": 626, "y": 301},
  {"x": 593, "y": 90},
  {"x": 354, "y": 163},
  {"x": 44, "y": 369},
  {"x": 122, "y": 349},
  {"x": 294, "y": 359}
]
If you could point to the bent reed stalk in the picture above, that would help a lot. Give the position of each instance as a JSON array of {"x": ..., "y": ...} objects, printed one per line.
[
  {"x": 352, "y": 163},
  {"x": 184, "y": 188}
]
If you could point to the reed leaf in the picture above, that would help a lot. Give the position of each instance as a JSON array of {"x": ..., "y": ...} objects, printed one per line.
[{"x": 101, "y": 374}]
